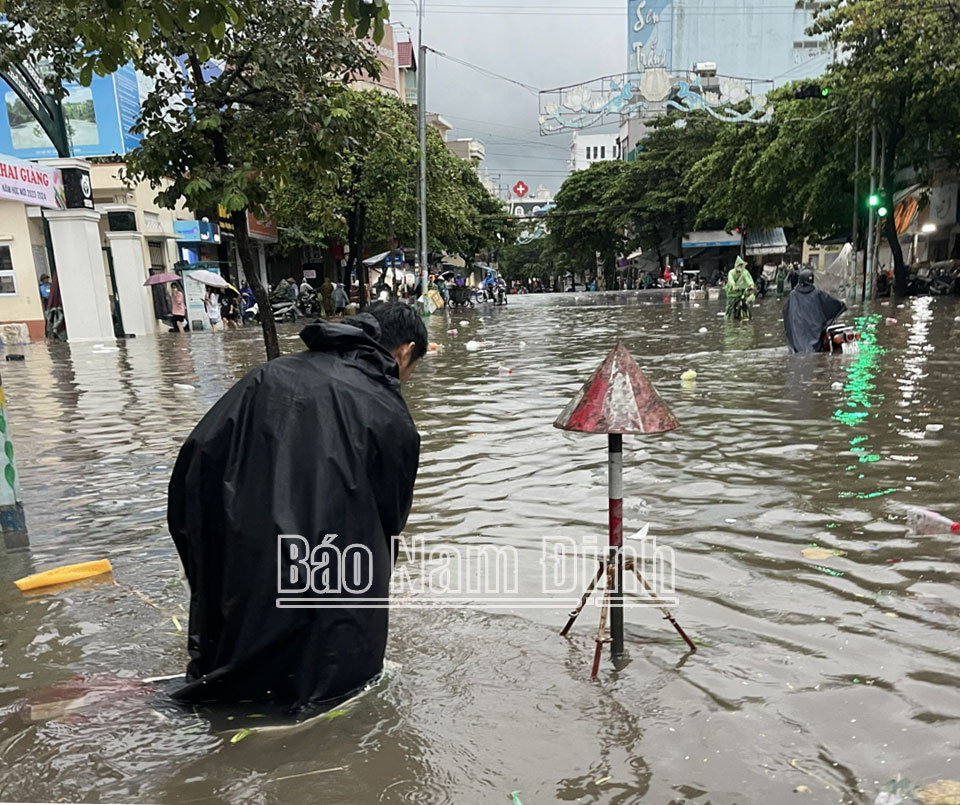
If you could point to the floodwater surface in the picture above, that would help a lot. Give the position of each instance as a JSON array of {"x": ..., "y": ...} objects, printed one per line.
[{"x": 836, "y": 675}]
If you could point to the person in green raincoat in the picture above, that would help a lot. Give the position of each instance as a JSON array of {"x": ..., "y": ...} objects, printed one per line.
[
  {"x": 781, "y": 278},
  {"x": 739, "y": 285}
]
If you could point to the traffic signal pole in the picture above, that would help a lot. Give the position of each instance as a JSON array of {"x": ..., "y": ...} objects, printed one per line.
[
  {"x": 871, "y": 221},
  {"x": 422, "y": 126},
  {"x": 852, "y": 291}
]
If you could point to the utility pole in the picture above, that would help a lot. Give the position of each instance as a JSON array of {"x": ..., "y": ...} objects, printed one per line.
[
  {"x": 393, "y": 251},
  {"x": 422, "y": 125},
  {"x": 852, "y": 291},
  {"x": 870, "y": 217}
]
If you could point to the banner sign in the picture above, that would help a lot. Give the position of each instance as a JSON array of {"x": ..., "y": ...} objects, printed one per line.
[
  {"x": 32, "y": 184},
  {"x": 649, "y": 35}
]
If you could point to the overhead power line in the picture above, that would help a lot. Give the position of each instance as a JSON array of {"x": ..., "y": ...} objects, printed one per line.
[{"x": 485, "y": 71}]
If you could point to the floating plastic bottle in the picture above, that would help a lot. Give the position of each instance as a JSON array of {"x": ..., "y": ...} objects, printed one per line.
[{"x": 925, "y": 521}]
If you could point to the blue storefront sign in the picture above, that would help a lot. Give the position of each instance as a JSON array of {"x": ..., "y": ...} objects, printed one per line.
[
  {"x": 187, "y": 230},
  {"x": 99, "y": 119}
]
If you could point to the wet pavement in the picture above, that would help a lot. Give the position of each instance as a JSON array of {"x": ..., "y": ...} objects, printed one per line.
[{"x": 835, "y": 674}]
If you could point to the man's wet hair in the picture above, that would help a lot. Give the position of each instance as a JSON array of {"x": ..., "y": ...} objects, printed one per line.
[{"x": 400, "y": 324}]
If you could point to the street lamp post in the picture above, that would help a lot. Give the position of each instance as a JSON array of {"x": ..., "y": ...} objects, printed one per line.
[{"x": 422, "y": 131}]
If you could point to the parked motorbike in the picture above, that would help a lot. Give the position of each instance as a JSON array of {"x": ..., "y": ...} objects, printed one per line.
[
  {"x": 282, "y": 311},
  {"x": 310, "y": 304}
]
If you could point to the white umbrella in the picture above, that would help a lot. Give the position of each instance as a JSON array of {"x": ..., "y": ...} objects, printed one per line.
[{"x": 205, "y": 277}]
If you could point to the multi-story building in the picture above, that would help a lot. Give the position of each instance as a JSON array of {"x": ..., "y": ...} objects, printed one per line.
[
  {"x": 467, "y": 148},
  {"x": 758, "y": 39},
  {"x": 585, "y": 149}
]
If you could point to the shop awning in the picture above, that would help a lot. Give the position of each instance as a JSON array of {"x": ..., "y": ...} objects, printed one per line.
[
  {"x": 377, "y": 259},
  {"x": 766, "y": 241},
  {"x": 711, "y": 238}
]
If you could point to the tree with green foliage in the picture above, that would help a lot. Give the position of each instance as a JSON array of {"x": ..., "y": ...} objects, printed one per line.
[
  {"x": 654, "y": 195},
  {"x": 219, "y": 139},
  {"x": 795, "y": 172},
  {"x": 586, "y": 220},
  {"x": 78, "y": 39},
  {"x": 374, "y": 189},
  {"x": 540, "y": 258},
  {"x": 279, "y": 110},
  {"x": 899, "y": 68}
]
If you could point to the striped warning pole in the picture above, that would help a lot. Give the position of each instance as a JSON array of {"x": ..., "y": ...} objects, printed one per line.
[{"x": 13, "y": 522}]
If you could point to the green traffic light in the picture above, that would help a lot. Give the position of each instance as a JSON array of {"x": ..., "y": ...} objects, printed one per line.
[
  {"x": 825, "y": 91},
  {"x": 873, "y": 201},
  {"x": 882, "y": 212}
]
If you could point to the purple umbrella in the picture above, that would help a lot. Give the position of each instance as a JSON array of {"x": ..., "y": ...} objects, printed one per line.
[{"x": 160, "y": 279}]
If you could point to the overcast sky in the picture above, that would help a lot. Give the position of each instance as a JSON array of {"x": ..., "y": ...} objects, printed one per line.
[{"x": 543, "y": 43}]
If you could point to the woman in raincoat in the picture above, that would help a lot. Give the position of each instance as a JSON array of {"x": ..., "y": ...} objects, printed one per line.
[{"x": 739, "y": 286}]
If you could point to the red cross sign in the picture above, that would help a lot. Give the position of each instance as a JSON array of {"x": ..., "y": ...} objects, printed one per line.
[{"x": 520, "y": 189}]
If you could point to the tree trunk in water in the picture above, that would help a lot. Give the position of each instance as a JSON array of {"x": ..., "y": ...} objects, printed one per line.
[
  {"x": 362, "y": 271},
  {"x": 610, "y": 273},
  {"x": 252, "y": 272},
  {"x": 900, "y": 272},
  {"x": 351, "y": 241},
  {"x": 329, "y": 263}
]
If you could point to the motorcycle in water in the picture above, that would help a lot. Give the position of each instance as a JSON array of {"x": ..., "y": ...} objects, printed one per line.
[
  {"x": 841, "y": 338},
  {"x": 500, "y": 292}
]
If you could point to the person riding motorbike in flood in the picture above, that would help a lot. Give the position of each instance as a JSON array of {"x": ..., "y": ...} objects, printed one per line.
[
  {"x": 807, "y": 313},
  {"x": 740, "y": 290}
]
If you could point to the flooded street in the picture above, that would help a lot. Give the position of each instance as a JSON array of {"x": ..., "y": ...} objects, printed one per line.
[{"x": 837, "y": 674}]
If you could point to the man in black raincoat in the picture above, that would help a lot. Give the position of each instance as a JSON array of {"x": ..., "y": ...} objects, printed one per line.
[
  {"x": 318, "y": 446},
  {"x": 806, "y": 314}
]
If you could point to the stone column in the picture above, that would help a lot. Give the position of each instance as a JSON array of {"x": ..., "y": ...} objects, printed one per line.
[
  {"x": 82, "y": 273},
  {"x": 136, "y": 304}
]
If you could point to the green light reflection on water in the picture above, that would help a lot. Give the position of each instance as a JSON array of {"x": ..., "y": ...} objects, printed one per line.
[{"x": 860, "y": 396}]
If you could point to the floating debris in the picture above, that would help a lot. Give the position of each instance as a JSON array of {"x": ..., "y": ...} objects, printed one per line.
[{"x": 241, "y": 734}]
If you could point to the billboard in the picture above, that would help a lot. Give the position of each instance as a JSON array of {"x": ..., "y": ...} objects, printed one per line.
[
  {"x": 649, "y": 35},
  {"x": 31, "y": 183},
  {"x": 99, "y": 119}
]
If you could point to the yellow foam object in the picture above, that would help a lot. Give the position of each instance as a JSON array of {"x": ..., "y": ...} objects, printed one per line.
[{"x": 64, "y": 574}]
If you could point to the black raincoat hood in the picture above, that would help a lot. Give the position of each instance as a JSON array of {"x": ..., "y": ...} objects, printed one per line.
[
  {"x": 357, "y": 338},
  {"x": 806, "y": 314}
]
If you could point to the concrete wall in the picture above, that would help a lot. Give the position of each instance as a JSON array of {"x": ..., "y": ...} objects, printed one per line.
[{"x": 24, "y": 305}]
